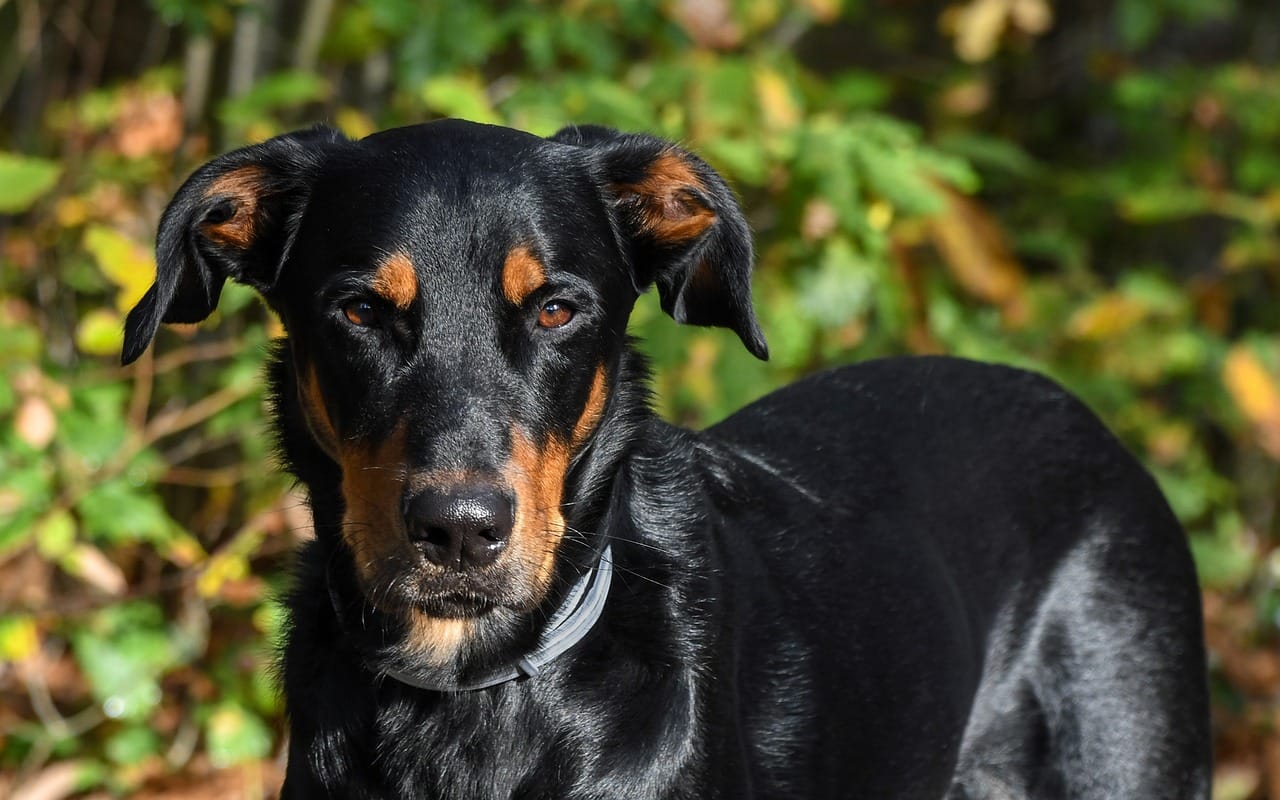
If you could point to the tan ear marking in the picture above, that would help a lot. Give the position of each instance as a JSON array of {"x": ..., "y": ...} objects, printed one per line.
[
  {"x": 668, "y": 209},
  {"x": 396, "y": 280},
  {"x": 242, "y": 187},
  {"x": 522, "y": 274}
]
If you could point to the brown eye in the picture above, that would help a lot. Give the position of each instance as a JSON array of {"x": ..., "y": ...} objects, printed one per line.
[
  {"x": 554, "y": 314},
  {"x": 361, "y": 313}
]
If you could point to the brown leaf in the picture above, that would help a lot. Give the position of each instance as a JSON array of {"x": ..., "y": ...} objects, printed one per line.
[
  {"x": 35, "y": 423},
  {"x": 978, "y": 256},
  {"x": 90, "y": 565},
  {"x": 149, "y": 122},
  {"x": 709, "y": 23}
]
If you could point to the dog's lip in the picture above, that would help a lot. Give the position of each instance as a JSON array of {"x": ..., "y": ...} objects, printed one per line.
[{"x": 455, "y": 604}]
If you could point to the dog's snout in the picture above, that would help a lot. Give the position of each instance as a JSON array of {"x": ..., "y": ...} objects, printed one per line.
[{"x": 462, "y": 527}]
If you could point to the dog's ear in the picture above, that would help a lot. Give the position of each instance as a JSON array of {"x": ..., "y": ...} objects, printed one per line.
[
  {"x": 684, "y": 228},
  {"x": 231, "y": 219}
]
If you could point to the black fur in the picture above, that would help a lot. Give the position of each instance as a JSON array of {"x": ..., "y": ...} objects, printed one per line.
[{"x": 912, "y": 578}]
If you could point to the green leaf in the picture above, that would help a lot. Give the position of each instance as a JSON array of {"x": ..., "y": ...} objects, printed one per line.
[
  {"x": 133, "y": 744},
  {"x": 123, "y": 652},
  {"x": 1223, "y": 559},
  {"x": 457, "y": 96},
  {"x": 24, "y": 180},
  {"x": 55, "y": 534},
  {"x": 100, "y": 333},
  {"x": 116, "y": 512},
  {"x": 283, "y": 90},
  {"x": 235, "y": 734}
]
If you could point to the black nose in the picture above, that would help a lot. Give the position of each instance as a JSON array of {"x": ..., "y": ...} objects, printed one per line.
[{"x": 462, "y": 527}]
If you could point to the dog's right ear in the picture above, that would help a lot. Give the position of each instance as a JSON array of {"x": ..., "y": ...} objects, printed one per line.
[{"x": 231, "y": 219}]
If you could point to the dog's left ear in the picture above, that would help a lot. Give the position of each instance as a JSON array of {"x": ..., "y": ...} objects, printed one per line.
[{"x": 684, "y": 228}]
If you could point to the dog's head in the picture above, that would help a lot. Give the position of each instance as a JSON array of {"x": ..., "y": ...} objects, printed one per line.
[{"x": 456, "y": 299}]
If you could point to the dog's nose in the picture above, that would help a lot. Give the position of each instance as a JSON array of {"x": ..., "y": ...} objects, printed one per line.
[{"x": 463, "y": 528}]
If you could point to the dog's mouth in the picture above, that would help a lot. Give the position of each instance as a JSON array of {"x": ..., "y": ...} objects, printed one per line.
[
  {"x": 452, "y": 596},
  {"x": 422, "y": 589}
]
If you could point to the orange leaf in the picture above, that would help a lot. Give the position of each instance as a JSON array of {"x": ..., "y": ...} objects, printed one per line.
[
  {"x": 978, "y": 256},
  {"x": 1256, "y": 394}
]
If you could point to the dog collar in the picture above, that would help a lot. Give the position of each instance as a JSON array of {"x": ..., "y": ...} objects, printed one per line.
[{"x": 570, "y": 622}]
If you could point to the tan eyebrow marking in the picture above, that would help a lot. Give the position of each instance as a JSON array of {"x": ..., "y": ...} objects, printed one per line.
[
  {"x": 396, "y": 280},
  {"x": 522, "y": 274}
]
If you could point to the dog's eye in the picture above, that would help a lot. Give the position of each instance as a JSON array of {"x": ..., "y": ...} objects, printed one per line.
[
  {"x": 554, "y": 314},
  {"x": 361, "y": 313}
]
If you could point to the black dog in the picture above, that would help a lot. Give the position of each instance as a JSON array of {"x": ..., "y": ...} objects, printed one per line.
[{"x": 914, "y": 578}]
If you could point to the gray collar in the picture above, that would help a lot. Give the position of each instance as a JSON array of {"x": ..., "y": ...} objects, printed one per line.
[{"x": 570, "y": 622}]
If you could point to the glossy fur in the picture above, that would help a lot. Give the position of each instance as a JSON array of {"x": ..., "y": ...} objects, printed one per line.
[{"x": 911, "y": 578}]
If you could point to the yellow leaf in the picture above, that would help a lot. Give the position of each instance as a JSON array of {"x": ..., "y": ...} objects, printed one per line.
[
  {"x": 777, "y": 102},
  {"x": 55, "y": 533},
  {"x": 978, "y": 27},
  {"x": 879, "y": 215},
  {"x": 354, "y": 123},
  {"x": 1254, "y": 390},
  {"x": 19, "y": 638},
  {"x": 101, "y": 332},
  {"x": 124, "y": 262},
  {"x": 71, "y": 211},
  {"x": 221, "y": 568},
  {"x": 1106, "y": 317}
]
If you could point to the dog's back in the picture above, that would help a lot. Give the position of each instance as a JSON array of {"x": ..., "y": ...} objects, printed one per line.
[{"x": 954, "y": 565}]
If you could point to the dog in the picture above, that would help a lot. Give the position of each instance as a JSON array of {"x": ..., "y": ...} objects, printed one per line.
[{"x": 917, "y": 577}]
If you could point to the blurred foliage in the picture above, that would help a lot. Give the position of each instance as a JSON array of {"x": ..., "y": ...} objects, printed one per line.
[{"x": 1089, "y": 190}]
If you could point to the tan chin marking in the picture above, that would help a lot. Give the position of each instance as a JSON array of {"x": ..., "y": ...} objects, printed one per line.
[
  {"x": 537, "y": 475},
  {"x": 242, "y": 187},
  {"x": 438, "y": 639},
  {"x": 522, "y": 274},
  {"x": 396, "y": 281}
]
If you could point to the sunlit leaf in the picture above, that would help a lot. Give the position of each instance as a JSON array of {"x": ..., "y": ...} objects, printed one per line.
[
  {"x": 101, "y": 332},
  {"x": 19, "y": 638},
  {"x": 55, "y": 533},
  {"x": 777, "y": 101},
  {"x": 460, "y": 96},
  {"x": 24, "y": 180},
  {"x": 1256, "y": 392},
  {"x": 1107, "y": 317},
  {"x": 126, "y": 263}
]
